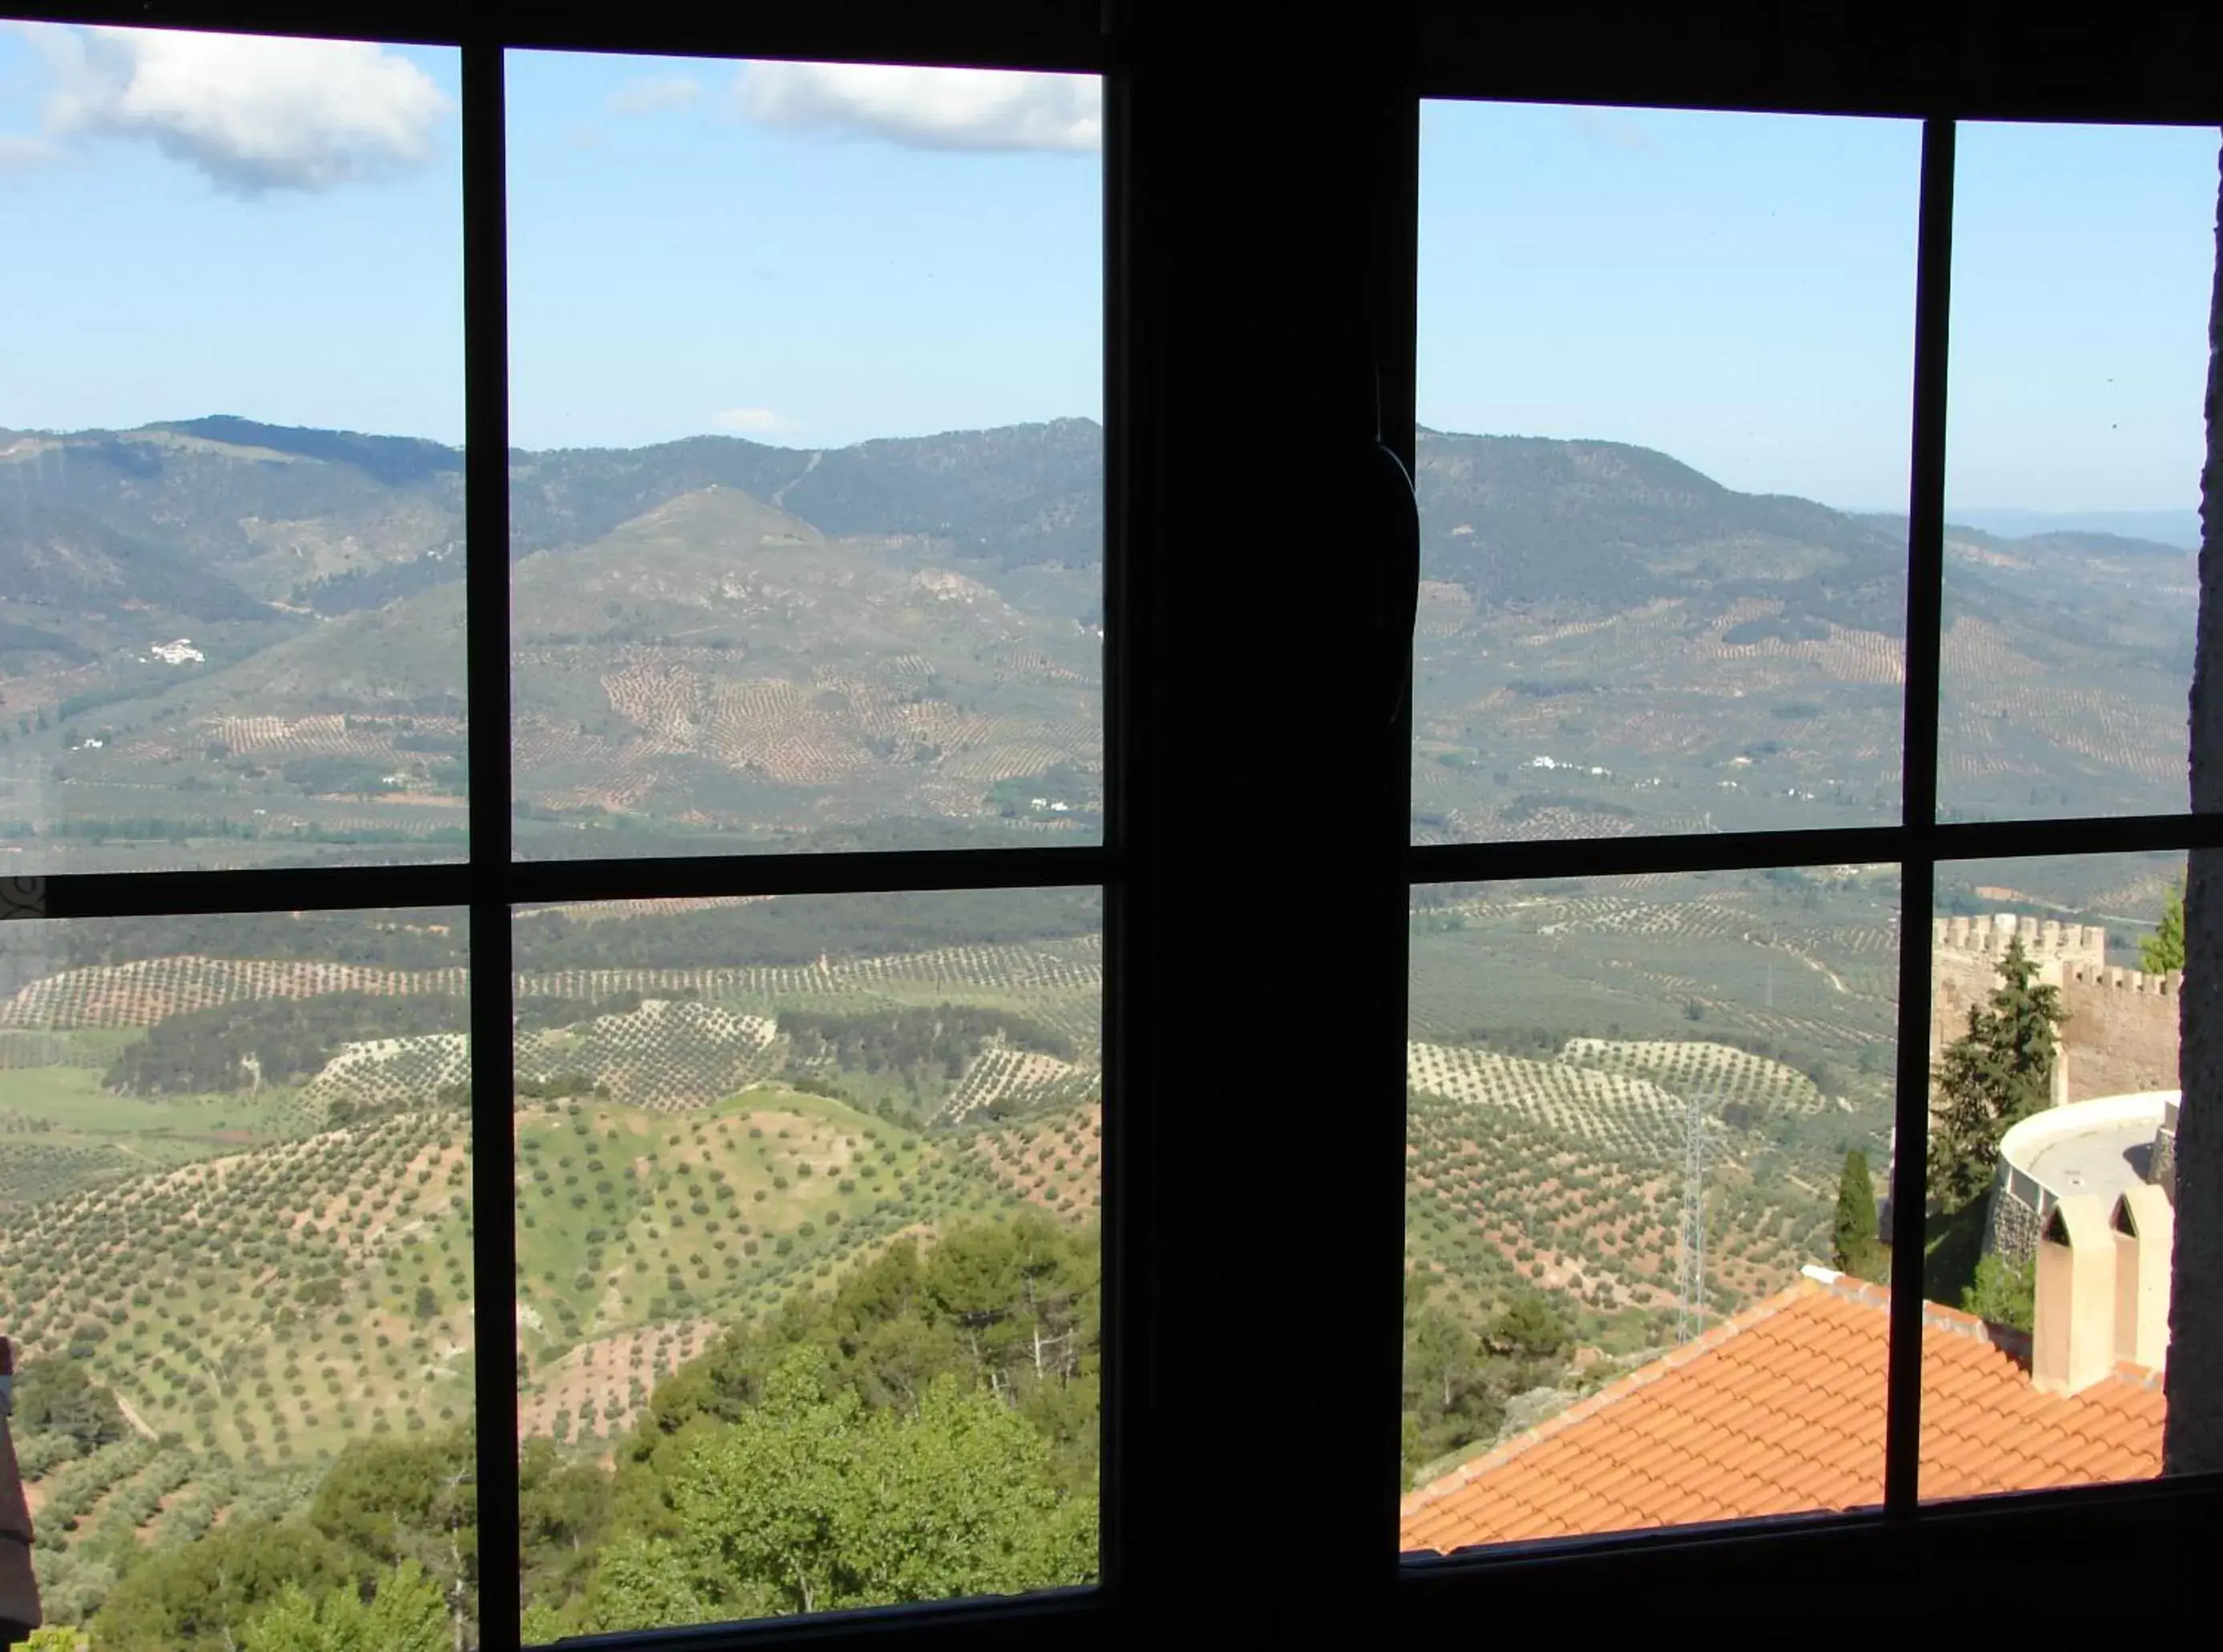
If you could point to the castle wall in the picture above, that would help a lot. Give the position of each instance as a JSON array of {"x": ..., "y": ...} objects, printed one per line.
[{"x": 2121, "y": 1031}]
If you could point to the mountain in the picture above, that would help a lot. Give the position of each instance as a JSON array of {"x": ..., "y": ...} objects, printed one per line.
[
  {"x": 1523, "y": 521},
  {"x": 53, "y": 554},
  {"x": 1024, "y": 494},
  {"x": 723, "y": 643}
]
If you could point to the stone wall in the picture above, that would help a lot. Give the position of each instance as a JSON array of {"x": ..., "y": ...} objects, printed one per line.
[
  {"x": 2011, "y": 1223},
  {"x": 2121, "y": 1031}
]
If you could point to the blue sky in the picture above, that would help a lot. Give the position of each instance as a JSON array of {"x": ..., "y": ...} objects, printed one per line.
[
  {"x": 1737, "y": 290},
  {"x": 813, "y": 257}
]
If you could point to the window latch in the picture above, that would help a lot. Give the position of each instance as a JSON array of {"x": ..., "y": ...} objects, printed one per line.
[{"x": 1391, "y": 512}]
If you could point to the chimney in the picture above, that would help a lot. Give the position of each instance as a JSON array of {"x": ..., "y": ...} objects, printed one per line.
[
  {"x": 2146, "y": 1232},
  {"x": 19, "y": 1585},
  {"x": 2072, "y": 1343}
]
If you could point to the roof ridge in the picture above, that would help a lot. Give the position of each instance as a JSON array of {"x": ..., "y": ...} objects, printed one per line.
[
  {"x": 1612, "y": 1393},
  {"x": 1935, "y": 1316}
]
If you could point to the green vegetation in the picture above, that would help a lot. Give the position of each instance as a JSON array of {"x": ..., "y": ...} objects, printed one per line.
[
  {"x": 1992, "y": 1076},
  {"x": 2003, "y": 1294},
  {"x": 2163, "y": 950},
  {"x": 1458, "y": 1378},
  {"x": 930, "y": 1427},
  {"x": 246, "y": 1045},
  {"x": 1855, "y": 1247},
  {"x": 385, "y": 1556},
  {"x": 55, "y": 1396}
]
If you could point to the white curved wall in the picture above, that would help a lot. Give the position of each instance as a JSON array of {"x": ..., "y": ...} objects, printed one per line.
[{"x": 2023, "y": 1143}]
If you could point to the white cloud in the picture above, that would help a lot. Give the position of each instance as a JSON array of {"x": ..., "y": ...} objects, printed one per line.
[
  {"x": 254, "y": 114},
  {"x": 755, "y": 421},
  {"x": 929, "y": 108},
  {"x": 654, "y": 94}
]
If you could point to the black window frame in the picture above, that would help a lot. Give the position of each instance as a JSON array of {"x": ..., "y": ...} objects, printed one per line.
[
  {"x": 1944, "y": 66},
  {"x": 1246, "y": 139}
]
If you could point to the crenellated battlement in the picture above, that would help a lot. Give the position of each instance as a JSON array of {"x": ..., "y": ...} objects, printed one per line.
[
  {"x": 2120, "y": 1031},
  {"x": 2044, "y": 940},
  {"x": 2103, "y": 977}
]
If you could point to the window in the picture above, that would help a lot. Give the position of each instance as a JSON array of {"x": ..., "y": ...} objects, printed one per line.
[
  {"x": 1653, "y": 1114},
  {"x": 1577, "y": 1160},
  {"x": 785, "y": 846},
  {"x": 762, "y": 830}
]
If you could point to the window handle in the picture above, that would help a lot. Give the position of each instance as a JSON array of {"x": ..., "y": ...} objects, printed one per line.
[{"x": 1390, "y": 511}]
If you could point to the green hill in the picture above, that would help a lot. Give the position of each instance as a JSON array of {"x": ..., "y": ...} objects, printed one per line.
[{"x": 721, "y": 642}]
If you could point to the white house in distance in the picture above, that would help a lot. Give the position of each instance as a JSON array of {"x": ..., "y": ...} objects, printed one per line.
[{"x": 179, "y": 652}]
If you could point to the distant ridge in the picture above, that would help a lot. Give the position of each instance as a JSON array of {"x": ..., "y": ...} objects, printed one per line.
[
  {"x": 398, "y": 461},
  {"x": 2177, "y": 529}
]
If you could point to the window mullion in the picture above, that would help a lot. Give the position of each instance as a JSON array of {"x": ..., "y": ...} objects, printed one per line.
[
  {"x": 486, "y": 476},
  {"x": 1918, "y": 804}
]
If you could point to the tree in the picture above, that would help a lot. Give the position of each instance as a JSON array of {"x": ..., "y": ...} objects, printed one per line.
[
  {"x": 1997, "y": 1074},
  {"x": 2163, "y": 950},
  {"x": 1528, "y": 1328},
  {"x": 56, "y": 1397},
  {"x": 406, "y": 1614},
  {"x": 389, "y": 1505},
  {"x": 811, "y": 1503},
  {"x": 561, "y": 1508},
  {"x": 1450, "y": 1400},
  {"x": 2003, "y": 1294},
  {"x": 199, "y": 1597},
  {"x": 1855, "y": 1246}
]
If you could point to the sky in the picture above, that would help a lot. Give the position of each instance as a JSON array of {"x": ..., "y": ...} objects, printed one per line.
[{"x": 815, "y": 254}]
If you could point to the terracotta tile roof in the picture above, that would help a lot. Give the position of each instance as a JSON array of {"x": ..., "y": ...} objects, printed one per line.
[{"x": 1780, "y": 1411}]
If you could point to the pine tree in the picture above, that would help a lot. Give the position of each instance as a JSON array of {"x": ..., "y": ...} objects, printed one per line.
[
  {"x": 1997, "y": 1074},
  {"x": 2163, "y": 950},
  {"x": 1854, "y": 1247}
]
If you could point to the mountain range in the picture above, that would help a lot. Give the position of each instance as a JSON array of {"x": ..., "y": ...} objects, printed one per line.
[{"x": 723, "y": 643}]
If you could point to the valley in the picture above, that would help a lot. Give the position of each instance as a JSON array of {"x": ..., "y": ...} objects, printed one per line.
[{"x": 235, "y": 1149}]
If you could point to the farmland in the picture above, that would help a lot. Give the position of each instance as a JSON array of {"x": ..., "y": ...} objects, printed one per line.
[
  {"x": 1563, "y": 1036},
  {"x": 727, "y": 1108},
  {"x": 273, "y": 1266}
]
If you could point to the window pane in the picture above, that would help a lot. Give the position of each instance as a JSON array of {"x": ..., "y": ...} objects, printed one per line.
[
  {"x": 1650, "y": 343},
  {"x": 1632, "y": 1103},
  {"x": 808, "y": 523},
  {"x": 232, "y": 515},
  {"x": 236, "y": 1256},
  {"x": 2053, "y": 1043},
  {"x": 2082, "y": 263},
  {"x": 807, "y": 1202}
]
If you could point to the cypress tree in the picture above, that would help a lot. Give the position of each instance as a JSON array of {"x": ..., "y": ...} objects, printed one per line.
[
  {"x": 1854, "y": 1247},
  {"x": 1997, "y": 1074}
]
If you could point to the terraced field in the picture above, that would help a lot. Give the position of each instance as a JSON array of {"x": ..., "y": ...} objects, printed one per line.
[
  {"x": 1052, "y": 1160},
  {"x": 1561, "y": 1036},
  {"x": 1499, "y": 1203},
  {"x": 262, "y": 1274},
  {"x": 1610, "y": 1108}
]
